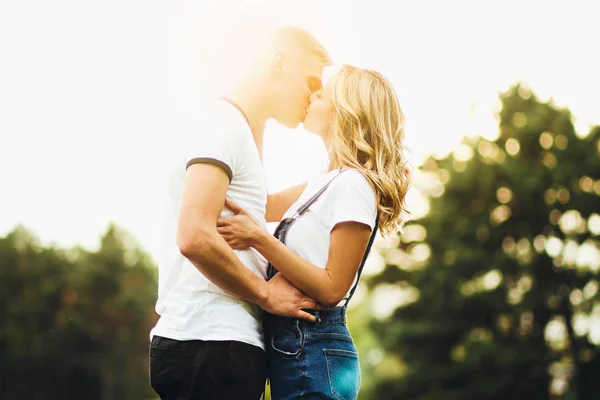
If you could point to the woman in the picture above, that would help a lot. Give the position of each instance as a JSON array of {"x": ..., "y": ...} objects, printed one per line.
[{"x": 324, "y": 237}]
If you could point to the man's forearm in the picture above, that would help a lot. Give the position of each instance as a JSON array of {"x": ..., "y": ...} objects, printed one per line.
[
  {"x": 312, "y": 280},
  {"x": 219, "y": 264}
]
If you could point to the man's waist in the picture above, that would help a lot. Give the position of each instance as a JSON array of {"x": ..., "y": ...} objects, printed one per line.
[
  {"x": 242, "y": 328},
  {"x": 202, "y": 301},
  {"x": 250, "y": 258}
]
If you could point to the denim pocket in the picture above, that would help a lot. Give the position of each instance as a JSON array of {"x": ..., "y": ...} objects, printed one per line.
[
  {"x": 343, "y": 371},
  {"x": 286, "y": 340}
]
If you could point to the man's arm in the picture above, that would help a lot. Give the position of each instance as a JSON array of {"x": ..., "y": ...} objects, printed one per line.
[
  {"x": 202, "y": 200},
  {"x": 278, "y": 203}
]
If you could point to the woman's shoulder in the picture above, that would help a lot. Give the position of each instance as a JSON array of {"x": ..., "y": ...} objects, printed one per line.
[
  {"x": 348, "y": 180},
  {"x": 352, "y": 198},
  {"x": 353, "y": 178},
  {"x": 353, "y": 184}
]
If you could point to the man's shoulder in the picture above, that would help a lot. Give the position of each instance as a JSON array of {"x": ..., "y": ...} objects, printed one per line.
[
  {"x": 217, "y": 123},
  {"x": 219, "y": 115}
]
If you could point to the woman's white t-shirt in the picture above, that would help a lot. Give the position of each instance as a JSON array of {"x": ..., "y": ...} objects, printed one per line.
[{"x": 349, "y": 197}]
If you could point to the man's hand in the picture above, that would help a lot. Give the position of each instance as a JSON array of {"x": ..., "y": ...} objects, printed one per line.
[{"x": 286, "y": 300}]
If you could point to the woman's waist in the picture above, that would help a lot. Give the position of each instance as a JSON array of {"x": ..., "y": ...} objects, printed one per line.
[{"x": 330, "y": 316}]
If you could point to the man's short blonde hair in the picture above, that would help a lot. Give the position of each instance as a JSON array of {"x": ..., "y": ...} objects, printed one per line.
[
  {"x": 247, "y": 51},
  {"x": 299, "y": 41}
]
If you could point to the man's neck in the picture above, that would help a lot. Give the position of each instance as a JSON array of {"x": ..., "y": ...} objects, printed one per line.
[{"x": 252, "y": 107}]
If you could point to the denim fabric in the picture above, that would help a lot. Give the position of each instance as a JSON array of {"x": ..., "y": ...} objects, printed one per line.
[{"x": 312, "y": 360}]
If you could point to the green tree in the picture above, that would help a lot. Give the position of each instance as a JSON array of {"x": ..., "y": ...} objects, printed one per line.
[
  {"x": 505, "y": 265},
  {"x": 74, "y": 324}
]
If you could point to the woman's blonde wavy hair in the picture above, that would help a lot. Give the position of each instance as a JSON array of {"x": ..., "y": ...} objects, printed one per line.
[{"x": 367, "y": 134}]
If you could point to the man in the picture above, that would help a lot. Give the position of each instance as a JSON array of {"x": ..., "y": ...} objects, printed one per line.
[{"x": 208, "y": 341}]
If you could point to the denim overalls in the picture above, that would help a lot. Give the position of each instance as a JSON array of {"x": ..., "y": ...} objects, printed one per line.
[{"x": 312, "y": 360}]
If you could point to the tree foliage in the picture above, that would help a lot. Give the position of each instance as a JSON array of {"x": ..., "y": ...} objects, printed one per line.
[
  {"x": 504, "y": 266},
  {"x": 74, "y": 324}
]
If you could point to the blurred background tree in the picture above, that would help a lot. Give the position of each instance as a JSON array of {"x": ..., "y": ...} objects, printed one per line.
[
  {"x": 74, "y": 324},
  {"x": 499, "y": 280}
]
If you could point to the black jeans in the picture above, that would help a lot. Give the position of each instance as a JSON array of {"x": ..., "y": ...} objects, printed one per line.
[{"x": 198, "y": 369}]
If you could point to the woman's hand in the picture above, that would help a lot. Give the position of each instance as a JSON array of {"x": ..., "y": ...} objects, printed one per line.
[{"x": 240, "y": 231}]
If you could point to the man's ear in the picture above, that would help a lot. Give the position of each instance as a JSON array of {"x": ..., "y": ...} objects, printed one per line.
[{"x": 278, "y": 61}]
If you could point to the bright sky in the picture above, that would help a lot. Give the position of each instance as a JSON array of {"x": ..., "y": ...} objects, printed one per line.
[{"x": 93, "y": 95}]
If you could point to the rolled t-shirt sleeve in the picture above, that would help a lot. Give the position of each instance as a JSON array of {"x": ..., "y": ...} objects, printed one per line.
[
  {"x": 353, "y": 200},
  {"x": 214, "y": 145}
]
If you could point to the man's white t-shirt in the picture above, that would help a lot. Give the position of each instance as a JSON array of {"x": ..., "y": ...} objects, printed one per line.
[
  {"x": 349, "y": 197},
  {"x": 190, "y": 306}
]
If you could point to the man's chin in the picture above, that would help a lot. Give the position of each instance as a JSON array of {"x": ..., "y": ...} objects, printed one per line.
[{"x": 291, "y": 124}]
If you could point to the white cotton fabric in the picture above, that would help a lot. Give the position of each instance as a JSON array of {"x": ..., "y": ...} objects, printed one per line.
[
  {"x": 190, "y": 306},
  {"x": 349, "y": 197}
]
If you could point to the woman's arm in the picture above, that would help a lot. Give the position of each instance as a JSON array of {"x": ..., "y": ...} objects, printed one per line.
[
  {"x": 348, "y": 241},
  {"x": 278, "y": 203}
]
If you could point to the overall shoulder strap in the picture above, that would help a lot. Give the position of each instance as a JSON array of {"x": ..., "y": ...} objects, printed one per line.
[
  {"x": 362, "y": 263},
  {"x": 283, "y": 227},
  {"x": 302, "y": 209}
]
